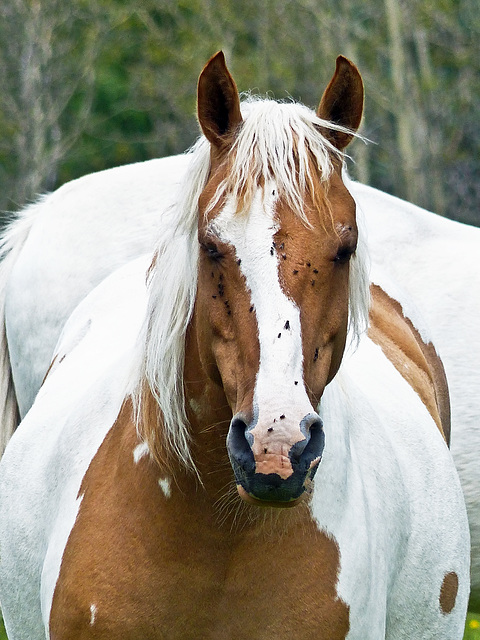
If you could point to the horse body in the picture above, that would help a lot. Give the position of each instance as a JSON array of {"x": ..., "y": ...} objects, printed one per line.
[
  {"x": 217, "y": 471},
  {"x": 435, "y": 261},
  {"x": 168, "y": 557},
  {"x": 424, "y": 253},
  {"x": 122, "y": 210}
]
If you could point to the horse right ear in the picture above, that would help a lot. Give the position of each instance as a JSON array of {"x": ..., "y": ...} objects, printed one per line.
[
  {"x": 218, "y": 102},
  {"x": 342, "y": 102}
]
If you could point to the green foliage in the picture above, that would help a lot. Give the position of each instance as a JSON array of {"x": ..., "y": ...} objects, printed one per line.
[
  {"x": 3, "y": 635},
  {"x": 114, "y": 82}
]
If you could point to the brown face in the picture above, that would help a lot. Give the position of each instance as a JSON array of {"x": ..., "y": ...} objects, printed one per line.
[
  {"x": 314, "y": 273},
  {"x": 272, "y": 312},
  {"x": 272, "y": 307}
]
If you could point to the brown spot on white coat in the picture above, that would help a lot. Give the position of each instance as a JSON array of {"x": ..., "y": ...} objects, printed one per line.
[{"x": 448, "y": 592}]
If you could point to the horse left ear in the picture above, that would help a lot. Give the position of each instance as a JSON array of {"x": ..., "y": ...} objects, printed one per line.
[
  {"x": 218, "y": 102},
  {"x": 342, "y": 102}
]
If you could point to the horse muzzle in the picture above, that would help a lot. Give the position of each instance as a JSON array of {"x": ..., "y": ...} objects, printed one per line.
[{"x": 274, "y": 463}]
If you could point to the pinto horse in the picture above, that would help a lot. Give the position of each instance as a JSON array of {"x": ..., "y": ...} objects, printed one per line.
[
  {"x": 58, "y": 249},
  {"x": 144, "y": 493}
]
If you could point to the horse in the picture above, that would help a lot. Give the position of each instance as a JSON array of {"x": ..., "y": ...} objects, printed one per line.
[
  {"x": 95, "y": 224},
  {"x": 222, "y": 450}
]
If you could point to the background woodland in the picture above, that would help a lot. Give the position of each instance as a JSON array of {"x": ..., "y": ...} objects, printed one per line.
[{"x": 88, "y": 85}]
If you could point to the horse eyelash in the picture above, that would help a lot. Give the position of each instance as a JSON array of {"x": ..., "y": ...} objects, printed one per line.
[
  {"x": 343, "y": 255},
  {"x": 212, "y": 251}
]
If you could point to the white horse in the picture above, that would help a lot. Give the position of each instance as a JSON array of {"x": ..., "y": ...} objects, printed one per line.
[
  {"x": 60, "y": 248},
  {"x": 236, "y": 390}
]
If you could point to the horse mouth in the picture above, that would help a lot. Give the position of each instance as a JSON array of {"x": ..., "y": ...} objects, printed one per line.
[
  {"x": 272, "y": 491},
  {"x": 276, "y": 504}
]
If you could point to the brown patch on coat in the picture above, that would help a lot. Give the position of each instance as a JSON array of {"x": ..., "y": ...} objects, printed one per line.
[
  {"x": 155, "y": 567},
  {"x": 448, "y": 592},
  {"x": 417, "y": 361}
]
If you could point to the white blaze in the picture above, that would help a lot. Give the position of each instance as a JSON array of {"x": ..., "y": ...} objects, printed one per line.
[{"x": 279, "y": 384}]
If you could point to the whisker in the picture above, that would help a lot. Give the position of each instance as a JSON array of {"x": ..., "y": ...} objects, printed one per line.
[{"x": 214, "y": 425}]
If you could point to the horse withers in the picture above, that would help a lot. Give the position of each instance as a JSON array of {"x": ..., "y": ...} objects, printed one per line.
[{"x": 142, "y": 495}]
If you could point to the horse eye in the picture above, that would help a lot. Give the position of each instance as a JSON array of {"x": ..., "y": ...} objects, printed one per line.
[
  {"x": 343, "y": 255},
  {"x": 212, "y": 251}
]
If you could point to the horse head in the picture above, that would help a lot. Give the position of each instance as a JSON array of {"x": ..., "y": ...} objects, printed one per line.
[{"x": 277, "y": 231}]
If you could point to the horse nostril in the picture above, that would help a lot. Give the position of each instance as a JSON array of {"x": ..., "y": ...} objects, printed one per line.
[
  {"x": 317, "y": 439},
  {"x": 238, "y": 445},
  {"x": 303, "y": 453},
  {"x": 236, "y": 435}
]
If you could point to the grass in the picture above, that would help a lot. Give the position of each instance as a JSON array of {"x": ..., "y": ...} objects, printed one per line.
[{"x": 472, "y": 628}]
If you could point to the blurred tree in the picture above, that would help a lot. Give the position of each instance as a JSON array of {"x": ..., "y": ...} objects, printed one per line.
[
  {"x": 48, "y": 52},
  {"x": 97, "y": 84}
]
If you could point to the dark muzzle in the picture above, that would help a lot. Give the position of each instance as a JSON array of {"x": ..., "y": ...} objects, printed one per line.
[{"x": 290, "y": 473}]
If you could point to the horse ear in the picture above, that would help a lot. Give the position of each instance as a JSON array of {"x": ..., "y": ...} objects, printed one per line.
[
  {"x": 218, "y": 102},
  {"x": 342, "y": 102}
]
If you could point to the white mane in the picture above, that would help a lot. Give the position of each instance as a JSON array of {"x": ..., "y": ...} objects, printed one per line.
[{"x": 276, "y": 139}]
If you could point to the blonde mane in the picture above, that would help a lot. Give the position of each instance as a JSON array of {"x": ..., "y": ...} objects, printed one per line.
[{"x": 275, "y": 139}]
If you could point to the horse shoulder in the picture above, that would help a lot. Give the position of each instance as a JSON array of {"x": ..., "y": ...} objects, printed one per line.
[
  {"x": 400, "y": 494},
  {"x": 415, "y": 358},
  {"x": 39, "y": 479}
]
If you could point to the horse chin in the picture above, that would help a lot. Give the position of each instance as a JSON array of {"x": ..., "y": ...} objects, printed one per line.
[{"x": 258, "y": 502}]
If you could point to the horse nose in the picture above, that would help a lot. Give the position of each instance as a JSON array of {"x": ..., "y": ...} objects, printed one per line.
[{"x": 275, "y": 477}]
